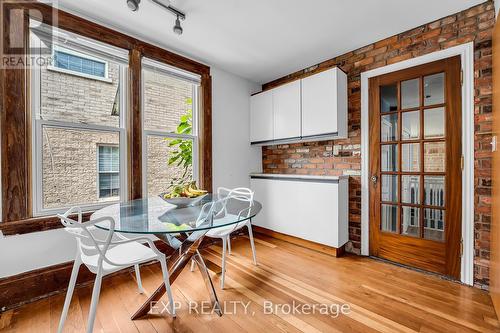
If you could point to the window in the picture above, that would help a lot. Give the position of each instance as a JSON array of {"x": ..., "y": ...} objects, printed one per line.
[
  {"x": 79, "y": 136},
  {"x": 170, "y": 104},
  {"x": 109, "y": 171},
  {"x": 78, "y": 63}
]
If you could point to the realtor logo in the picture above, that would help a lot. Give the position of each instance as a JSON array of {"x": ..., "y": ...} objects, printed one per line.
[{"x": 18, "y": 18}]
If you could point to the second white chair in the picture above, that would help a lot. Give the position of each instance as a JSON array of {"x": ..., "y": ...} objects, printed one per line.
[
  {"x": 244, "y": 196},
  {"x": 105, "y": 256}
]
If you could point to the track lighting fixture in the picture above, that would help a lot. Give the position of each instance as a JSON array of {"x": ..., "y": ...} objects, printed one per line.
[
  {"x": 177, "y": 27},
  {"x": 134, "y": 6}
]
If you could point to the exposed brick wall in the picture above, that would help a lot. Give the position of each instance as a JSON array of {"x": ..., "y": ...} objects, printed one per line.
[{"x": 343, "y": 156}]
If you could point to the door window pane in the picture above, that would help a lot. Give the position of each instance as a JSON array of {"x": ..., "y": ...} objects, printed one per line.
[
  {"x": 434, "y": 156},
  {"x": 410, "y": 189},
  {"x": 434, "y": 223},
  {"x": 410, "y": 161},
  {"x": 389, "y": 127},
  {"x": 411, "y": 125},
  {"x": 167, "y": 164},
  {"x": 389, "y": 188},
  {"x": 72, "y": 164},
  {"x": 434, "y": 123},
  {"x": 410, "y": 221},
  {"x": 167, "y": 101},
  {"x": 434, "y": 191},
  {"x": 410, "y": 94},
  {"x": 388, "y": 98},
  {"x": 434, "y": 89},
  {"x": 389, "y": 157},
  {"x": 389, "y": 218}
]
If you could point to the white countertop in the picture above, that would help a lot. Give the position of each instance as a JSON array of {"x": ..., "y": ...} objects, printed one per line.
[{"x": 294, "y": 176}]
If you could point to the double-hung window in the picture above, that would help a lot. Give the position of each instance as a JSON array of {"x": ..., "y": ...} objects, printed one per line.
[
  {"x": 170, "y": 127},
  {"x": 78, "y": 125}
]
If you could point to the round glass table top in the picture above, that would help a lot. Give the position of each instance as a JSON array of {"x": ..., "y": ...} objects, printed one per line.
[{"x": 156, "y": 216}]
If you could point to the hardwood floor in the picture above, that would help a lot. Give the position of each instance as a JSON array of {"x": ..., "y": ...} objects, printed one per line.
[{"x": 381, "y": 298}]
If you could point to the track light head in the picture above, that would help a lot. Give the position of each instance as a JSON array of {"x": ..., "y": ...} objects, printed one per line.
[
  {"x": 133, "y": 4},
  {"x": 177, "y": 27}
]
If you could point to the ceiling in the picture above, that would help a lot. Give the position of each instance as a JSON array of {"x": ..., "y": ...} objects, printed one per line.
[{"x": 262, "y": 40}]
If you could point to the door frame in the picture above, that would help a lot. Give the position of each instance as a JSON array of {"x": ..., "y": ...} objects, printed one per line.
[{"x": 466, "y": 53}]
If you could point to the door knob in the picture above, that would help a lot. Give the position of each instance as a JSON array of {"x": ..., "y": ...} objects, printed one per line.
[{"x": 374, "y": 179}]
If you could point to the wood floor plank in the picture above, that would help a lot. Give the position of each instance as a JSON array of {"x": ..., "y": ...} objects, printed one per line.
[{"x": 382, "y": 297}]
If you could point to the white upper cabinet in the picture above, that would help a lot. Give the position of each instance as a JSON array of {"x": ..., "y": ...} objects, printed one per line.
[
  {"x": 261, "y": 117},
  {"x": 324, "y": 104},
  {"x": 286, "y": 108},
  {"x": 314, "y": 108}
]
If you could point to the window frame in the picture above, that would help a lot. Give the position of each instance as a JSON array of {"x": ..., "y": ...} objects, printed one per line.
[
  {"x": 175, "y": 73},
  {"x": 99, "y": 172},
  {"x": 75, "y": 53},
  {"x": 16, "y": 205},
  {"x": 37, "y": 131}
]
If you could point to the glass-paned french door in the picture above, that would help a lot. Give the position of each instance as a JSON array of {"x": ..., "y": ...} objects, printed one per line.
[{"x": 415, "y": 124}]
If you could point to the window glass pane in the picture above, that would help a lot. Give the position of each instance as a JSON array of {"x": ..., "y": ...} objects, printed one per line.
[
  {"x": 410, "y": 221},
  {"x": 77, "y": 99},
  {"x": 69, "y": 166},
  {"x": 75, "y": 63},
  {"x": 389, "y": 127},
  {"x": 99, "y": 69},
  {"x": 434, "y": 190},
  {"x": 388, "y": 98},
  {"x": 61, "y": 60},
  {"x": 434, "y": 123},
  {"x": 410, "y": 161},
  {"x": 168, "y": 102},
  {"x": 410, "y": 189},
  {"x": 389, "y": 188},
  {"x": 389, "y": 218},
  {"x": 168, "y": 163},
  {"x": 410, "y": 94},
  {"x": 109, "y": 159},
  {"x": 389, "y": 158},
  {"x": 411, "y": 125},
  {"x": 434, "y": 89},
  {"x": 434, "y": 223},
  {"x": 434, "y": 156}
]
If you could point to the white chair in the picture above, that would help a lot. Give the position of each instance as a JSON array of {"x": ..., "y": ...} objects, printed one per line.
[
  {"x": 105, "y": 256},
  {"x": 243, "y": 196}
]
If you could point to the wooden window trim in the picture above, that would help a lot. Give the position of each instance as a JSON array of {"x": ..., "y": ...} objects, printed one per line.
[{"x": 17, "y": 217}]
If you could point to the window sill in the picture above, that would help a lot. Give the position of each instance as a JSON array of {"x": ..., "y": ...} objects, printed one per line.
[
  {"x": 86, "y": 76},
  {"x": 34, "y": 224}
]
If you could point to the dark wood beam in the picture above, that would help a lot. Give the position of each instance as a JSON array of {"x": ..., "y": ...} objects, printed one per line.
[{"x": 134, "y": 130}]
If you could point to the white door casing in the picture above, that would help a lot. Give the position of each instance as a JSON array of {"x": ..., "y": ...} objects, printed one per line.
[{"x": 466, "y": 53}]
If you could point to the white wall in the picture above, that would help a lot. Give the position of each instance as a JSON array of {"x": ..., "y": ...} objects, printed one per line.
[
  {"x": 497, "y": 6},
  {"x": 233, "y": 160},
  {"x": 233, "y": 157}
]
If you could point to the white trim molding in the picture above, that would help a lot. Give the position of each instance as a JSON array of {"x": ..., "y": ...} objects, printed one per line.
[{"x": 466, "y": 53}]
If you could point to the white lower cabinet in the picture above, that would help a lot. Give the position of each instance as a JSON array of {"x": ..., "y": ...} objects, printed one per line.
[{"x": 312, "y": 208}]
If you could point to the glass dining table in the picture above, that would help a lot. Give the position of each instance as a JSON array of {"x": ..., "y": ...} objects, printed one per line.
[{"x": 181, "y": 231}]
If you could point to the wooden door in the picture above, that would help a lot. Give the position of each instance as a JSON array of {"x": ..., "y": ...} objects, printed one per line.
[{"x": 415, "y": 165}]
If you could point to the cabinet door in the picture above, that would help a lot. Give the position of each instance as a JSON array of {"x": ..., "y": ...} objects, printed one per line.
[
  {"x": 261, "y": 117},
  {"x": 286, "y": 107},
  {"x": 319, "y": 103}
]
